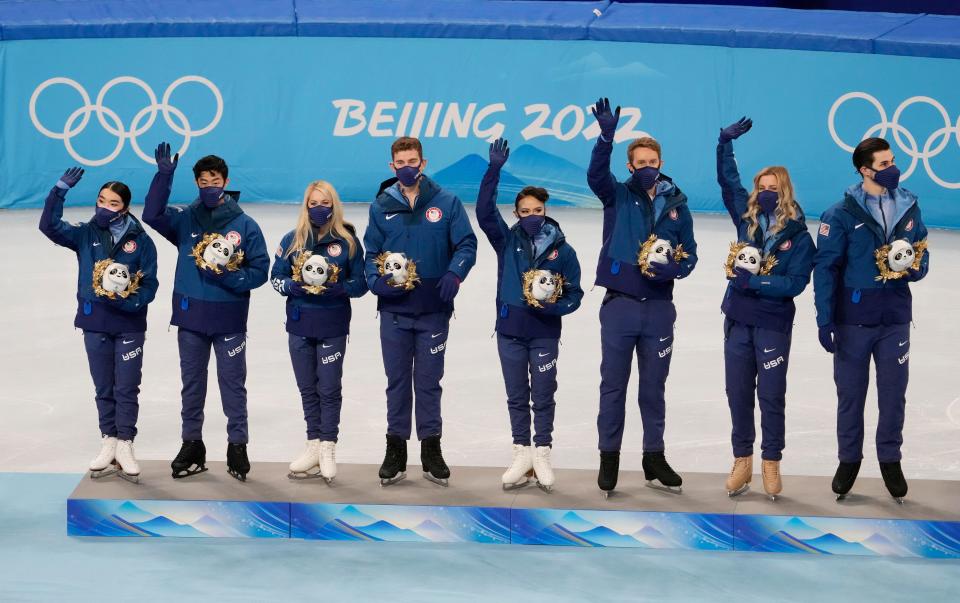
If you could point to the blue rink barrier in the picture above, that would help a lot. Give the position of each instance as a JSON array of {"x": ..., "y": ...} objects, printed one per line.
[{"x": 288, "y": 92}]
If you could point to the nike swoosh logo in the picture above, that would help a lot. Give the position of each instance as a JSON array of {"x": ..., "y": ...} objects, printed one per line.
[
  {"x": 325, "y": 346},
  {"x": 903, "y": 343},
  {"x": 229, "y": 338},
  {"x": 766, "y": 351},
  {"x": 125, "y": 342},
  {"x": 664, "y": 338},
  {"x": 390, "y": 217},
  {"x": 461, "y": 262},
  {"x": 96, "y": 244},
  {"x": 435, "y": 335},
  {"x": 542, "y": 355},
  {"x": 858, "y": 226},
  {"x": 194, "y": 234}
]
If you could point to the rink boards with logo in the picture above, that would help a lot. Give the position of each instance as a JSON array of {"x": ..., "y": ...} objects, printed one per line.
[{"x": 474, "y": 508}]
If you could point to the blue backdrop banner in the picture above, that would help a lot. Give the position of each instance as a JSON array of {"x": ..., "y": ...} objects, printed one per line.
[{"x": 285, "y": 111}]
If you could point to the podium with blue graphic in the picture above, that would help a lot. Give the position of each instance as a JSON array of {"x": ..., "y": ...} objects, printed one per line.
[{"x": 474, "y": 508}]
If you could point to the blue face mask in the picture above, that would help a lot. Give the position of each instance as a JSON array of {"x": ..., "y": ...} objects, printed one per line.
[
  {"x": 645, "y": 177},
  {"x": 532, "y": 225},
  {"x": 888, "y": 178},
  {"x": 104, "y": 217},
  {"x": 319, "y": 215},
  {"x": 210, "y": 196},
  {"x": 408, "y": 175},
  {"x": 767, "y": 200}
]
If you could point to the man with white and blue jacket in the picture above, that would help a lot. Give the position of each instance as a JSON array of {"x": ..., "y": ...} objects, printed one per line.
[
  {"x": 528, "y": 336},
  {"x": 637, "y": 312},
  {"x": 428, "y": 225},
  {"x": 209, "y": 308},
  {"x": 759, "y": 309},
  {"x": 862, "y": 315},
  {"x": 113, "y": 328}
]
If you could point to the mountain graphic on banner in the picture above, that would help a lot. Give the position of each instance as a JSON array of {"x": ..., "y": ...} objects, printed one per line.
[{"x": 463, "y": 177}]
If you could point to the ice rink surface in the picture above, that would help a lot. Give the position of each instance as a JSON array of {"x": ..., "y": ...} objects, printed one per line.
[{"x": 48, "y": 420}]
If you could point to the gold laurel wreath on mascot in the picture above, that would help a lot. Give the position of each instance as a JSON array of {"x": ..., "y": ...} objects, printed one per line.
[
  {"x": 412, "y": 277},
  {"x": 99, "y": 268},
  {"x": 886, "y": 274},
  {"x": 302, "y": 257},
  {"x": 643, "y": 257},
  {"x": 233, "y": 264},
  {"x": 735, "y": 248},
  {"x": 528, "y": 277}
]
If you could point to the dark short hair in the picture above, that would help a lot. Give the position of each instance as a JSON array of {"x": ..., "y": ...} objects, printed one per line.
[
  {"x": 406, "y": 143},
  {"x": 540, "y": 194},
  {"x": 210, "y": 163},
  {"x": 863, "y": 154},
  {"x": 121, "y": 189}
]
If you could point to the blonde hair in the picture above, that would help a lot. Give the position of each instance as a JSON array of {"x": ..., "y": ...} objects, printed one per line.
[
  {"x": 336, "y": 225},
  {"x": 786, "y": 205}
]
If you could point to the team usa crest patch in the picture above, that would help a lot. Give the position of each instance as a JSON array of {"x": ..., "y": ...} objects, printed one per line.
[
  {"x": 825, "y": 229},
  {"x": 130, "y": 246},
  {"x": 279, "y": 251},
  {"x": 909, "y": 225},
  {"x": 234, "y": 237},
  {"x": 434, "y": 214},
  {"x": 786, "y": 245},
  {"x": 674, "y": 215},
  {"x": 334, "y": 250},
  {"x": 554, "y": 254}
]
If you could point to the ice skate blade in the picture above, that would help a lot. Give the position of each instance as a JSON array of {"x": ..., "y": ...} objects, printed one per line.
[
  {"x": 240, "y": 477},
  {"x": 194, "y": 470},
  {"x": 102, "y": 473},
  {"x": 658, "y": 486},
  {"x": 773, "y": 497},
  {"x": 328, "y": 480},
  {"x": 899, "y": 499},
  {"x": 440, "y": 481},
  {"x": 738, "y": 491},
  {"x": 516, "y": 485},
  {"x": 389, "y": 481},
  {"x": 606, "y": 494},
  {"x": 841, "y": 497},
  {"x": 545, "y": 488},
  {"x": 133, "y": 479},
  {"x": 301, "y": 476}
]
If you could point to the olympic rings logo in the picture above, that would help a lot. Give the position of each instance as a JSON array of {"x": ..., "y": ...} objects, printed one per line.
[
  {"x": 933, "y": 146},
  {"x": 111, "y": 122}
]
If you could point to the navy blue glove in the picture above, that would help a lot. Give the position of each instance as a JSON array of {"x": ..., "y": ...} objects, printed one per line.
[
  {"x": 736, "y": 130},
  {"x": 214, "y": 276},
  {"x": 665, "y": 272},
  {"x": 606, "y": 119},
  {"x": 449, "y": 286},
  {"x": 70, "y": 178},
  {"x": 383, "y": 288},
  {"x": 914, "y": 275},
  {"x": 828, "y": 338},
  {"x": 741, "y": 278},
  {"x": 295, "y": 288},
  {"x": 334, "y": 289},
  {"x": 498, "y": 153},
  {"x": 165, "y": 165}
]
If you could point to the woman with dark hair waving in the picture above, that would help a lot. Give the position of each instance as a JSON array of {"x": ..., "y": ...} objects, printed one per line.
[
  {"x": 536, "y": 285},
  {"x": 117, "y": 280},
  {"x": 318, "y": 268},
  {"x": 768, "y": 265}
]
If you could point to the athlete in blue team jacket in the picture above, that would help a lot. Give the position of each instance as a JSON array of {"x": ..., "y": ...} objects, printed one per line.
[
  {"x": 860, "y": 314},
  {"x": 113, "y": 327},
  {"x": 209, "y": 308},
  {"x": 637, "y": 312},
  {"x": 428, "y": 225},
  {"x": 528, "y": 336},
  {"x": 759, "y": 309},
  {"x": 318, "y": 320}
]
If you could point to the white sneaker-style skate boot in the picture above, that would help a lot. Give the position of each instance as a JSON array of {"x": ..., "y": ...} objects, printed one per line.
[
  {"x": 303, "y": 467},
  {"x": 328, "y": 460},
  {"x": 105, "y": 464},
  {"x": 520, "y": 470},
  {"x": 129, "y": 468},
  {"x": 740, "y": 476},
  {"x": 543, "y": 469}
]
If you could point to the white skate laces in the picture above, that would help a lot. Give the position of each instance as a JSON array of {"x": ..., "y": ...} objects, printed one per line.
[
  {"x": 543, "y": 469},
  {"x": 328, "y": 460},
  {"x": 520, "y": 469}
]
